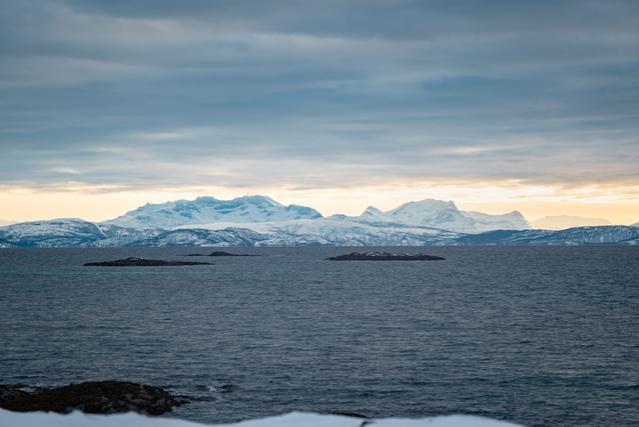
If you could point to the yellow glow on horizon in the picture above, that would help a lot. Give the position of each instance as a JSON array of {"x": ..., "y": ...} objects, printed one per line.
[{"x": 620, "y": 205}]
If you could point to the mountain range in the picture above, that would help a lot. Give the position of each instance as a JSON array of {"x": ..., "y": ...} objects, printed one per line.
[
  {"x": 261, "y": 221},
  {"x": 257, "y": 209}
]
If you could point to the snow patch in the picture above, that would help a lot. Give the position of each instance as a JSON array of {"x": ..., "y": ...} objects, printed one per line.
[{"x": 293, "y": 419}]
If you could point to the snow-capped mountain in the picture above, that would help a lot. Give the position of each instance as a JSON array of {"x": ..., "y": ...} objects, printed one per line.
[
  {"x": 69, "y": 232},
  {"x": 342, "y": 231},
  {"x": 258, "y": 209},
  {"x": 446, "y": 215},
  {"x": 613, "y": 234},
  {"x": 371, "y": 213},
  {"x": 204, "y": 210},
  {"x": 333, "y": 232},
  {"x": 204, "y": 238},
  {"x": 78, "y": 233},
  {"x": 562, "y": 222},
  {"x": 54, "y": 233},
  {"x": 485, "y": 222},
  {"x": 121, "y": 236}
]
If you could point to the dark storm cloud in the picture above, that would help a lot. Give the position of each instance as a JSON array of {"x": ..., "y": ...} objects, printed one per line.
[{"x": 318, "y": 94}]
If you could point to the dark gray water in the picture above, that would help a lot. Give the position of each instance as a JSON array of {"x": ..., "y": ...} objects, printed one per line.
[{"x": 540, "y": 336}]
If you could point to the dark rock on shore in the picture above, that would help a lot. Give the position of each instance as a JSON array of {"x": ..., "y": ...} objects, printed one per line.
[
  {"x": 221, "y": 253},
  {"x": 141, "y": 262},
  {"x": 12, "y": 391},
  {"x": 93, "y": 397},
  {"x": 384, "y": 256}
]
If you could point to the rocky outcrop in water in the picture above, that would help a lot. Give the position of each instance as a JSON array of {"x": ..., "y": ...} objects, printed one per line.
[
  {"x": 141, "y": 262},
  {"x": 384, "y": 256},
  {"x": 92, "y": 397},
  {"x": 221, "y": 253}
]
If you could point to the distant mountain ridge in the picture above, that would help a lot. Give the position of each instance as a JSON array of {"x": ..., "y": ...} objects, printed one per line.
[
  {"x": 601, "y": 235},
  {"x": 53, "y": 233},
  {"x": 261, "y": 221},
  {"x": 341, "y": 230},
  {"x": 327, "y": 232}
]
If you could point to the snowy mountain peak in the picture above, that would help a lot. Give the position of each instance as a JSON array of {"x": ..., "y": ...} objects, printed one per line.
[
  {"x": 426, "y": 204},
  {"x": 259, "y": 200},
  {"x": 372, "y": 212},
  {"x": 434, "y": 213},
  {"x": 485, "y": 222},
  {"x": 518, "y": 216},
  {"x": 205, "y": 210},
  {"x": 52, "y": 233},
  {"x": 446, "y": 215}
]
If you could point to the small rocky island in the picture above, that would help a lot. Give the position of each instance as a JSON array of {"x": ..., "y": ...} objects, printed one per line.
[
  {"x": 384, "y": 256},
  {"x": 221, "y": 253},
  {"x": 92, "y": 397},
  {"x": 141, "y": 262}
]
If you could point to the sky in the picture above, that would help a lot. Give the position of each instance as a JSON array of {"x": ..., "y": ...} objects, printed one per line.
[{"x": 497, "y": 105}]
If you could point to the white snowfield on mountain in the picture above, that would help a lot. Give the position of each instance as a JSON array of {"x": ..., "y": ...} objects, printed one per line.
[
  {"x": 256, "y": 209},
  {"x": 337, "y": 231},
  {"x": 247, "y": 209},
  {"x": 293, "y": 419}
]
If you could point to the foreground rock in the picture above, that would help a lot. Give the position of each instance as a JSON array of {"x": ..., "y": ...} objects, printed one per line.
[
  {"x": 221, "y": 253},
  {"x": 141, "y": 262},
  {"x": 93, "y": 397},
  {"x": 384, "y": 256},
  {"x": 12, "y": 391}
]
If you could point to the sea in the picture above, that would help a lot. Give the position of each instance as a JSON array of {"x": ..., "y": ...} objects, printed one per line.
[{"x": 541, "y": 336}]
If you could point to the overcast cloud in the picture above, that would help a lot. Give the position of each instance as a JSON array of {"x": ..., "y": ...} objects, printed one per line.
[{"x": 318, "y": 94}]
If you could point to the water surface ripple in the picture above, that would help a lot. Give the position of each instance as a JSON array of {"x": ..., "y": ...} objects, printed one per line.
[{"x": 540, "y": 336}]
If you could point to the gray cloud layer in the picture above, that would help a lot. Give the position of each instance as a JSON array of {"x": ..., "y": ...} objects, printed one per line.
[{"x": 318, "y": 94}]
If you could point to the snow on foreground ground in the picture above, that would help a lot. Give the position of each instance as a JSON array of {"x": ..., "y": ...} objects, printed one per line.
[{"x": 294, "y": 419}]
